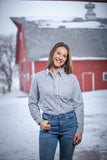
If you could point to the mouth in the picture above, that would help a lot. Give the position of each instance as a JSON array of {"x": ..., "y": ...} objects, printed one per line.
[{"x": 58, "y": 61}]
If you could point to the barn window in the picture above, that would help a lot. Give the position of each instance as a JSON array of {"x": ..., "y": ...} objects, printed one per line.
[{"x": 104, "y": 76}]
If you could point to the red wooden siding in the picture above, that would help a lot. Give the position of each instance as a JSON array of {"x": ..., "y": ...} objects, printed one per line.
[
  {"x": 88, "y": 72},
  {"x": 93, "y": 73},
  {"x": 40, "y": 65},
  {"x": 25, "y": 66},
  {"x": 88, "y": 82}
]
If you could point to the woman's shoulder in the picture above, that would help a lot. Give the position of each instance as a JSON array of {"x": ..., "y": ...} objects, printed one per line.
[
  {"x": 71, "y": 76},
  {"x": 39, "y": 74}
]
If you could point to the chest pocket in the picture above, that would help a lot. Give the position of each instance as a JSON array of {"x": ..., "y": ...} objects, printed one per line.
[
  {"x": 65, "y": 90},
  {"x": 45, "y": 89}
]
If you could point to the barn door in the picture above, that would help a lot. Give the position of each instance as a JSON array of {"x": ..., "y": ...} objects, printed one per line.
[{"x": 88, "y": 81}]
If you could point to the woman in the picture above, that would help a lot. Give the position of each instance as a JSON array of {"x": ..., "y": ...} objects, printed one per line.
[{"x": 56, "y": 91}]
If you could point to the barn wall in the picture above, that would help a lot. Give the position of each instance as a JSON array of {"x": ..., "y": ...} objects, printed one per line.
[
  {"x": 40, "y": 65},
  {"x": 88, "y": 72},
  {"x": 25, "y": 67}
]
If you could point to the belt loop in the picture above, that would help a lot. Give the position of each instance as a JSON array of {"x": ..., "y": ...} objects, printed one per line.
[
  {"x": 50, "y": 117},
  {"x": 65, "y": 116}
]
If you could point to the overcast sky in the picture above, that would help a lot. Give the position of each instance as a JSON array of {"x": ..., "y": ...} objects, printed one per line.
[{"x": 18, "y": 8}]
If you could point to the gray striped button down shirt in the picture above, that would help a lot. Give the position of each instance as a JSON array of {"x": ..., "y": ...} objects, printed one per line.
[{"x": 57, "y": 95}]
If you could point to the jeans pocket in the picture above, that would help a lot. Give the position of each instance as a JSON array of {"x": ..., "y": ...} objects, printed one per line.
[
  {"x": 45, "y": 117},
  {"x": 69, "y": 124}
]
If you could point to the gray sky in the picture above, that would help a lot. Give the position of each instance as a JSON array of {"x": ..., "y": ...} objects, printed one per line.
[{"x": 18, "y": 8}]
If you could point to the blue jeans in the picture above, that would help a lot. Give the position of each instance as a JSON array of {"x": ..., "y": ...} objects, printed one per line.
[{"x": 63, "y": 129}]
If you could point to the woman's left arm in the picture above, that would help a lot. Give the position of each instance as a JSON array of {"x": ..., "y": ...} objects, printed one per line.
[{"x": 78, "y": 105}]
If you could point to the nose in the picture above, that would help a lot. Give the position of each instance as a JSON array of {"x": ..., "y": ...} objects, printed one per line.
[{"x": 60, "y": 57}]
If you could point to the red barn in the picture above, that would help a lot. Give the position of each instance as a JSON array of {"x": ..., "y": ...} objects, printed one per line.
[{"x": 88, "y": 46}]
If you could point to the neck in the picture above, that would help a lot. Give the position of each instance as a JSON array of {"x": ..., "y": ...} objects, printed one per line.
[{"x": 54, "y": 70}]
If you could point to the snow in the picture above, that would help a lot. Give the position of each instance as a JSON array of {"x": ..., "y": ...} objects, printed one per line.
[
  {"x": 19, "y": 132},
  {"x": 89, "y": 58},
  {"x": 79, "y": 58},
  {"x": 15, "y": 81},
  {"x": 48, "y": 19},
  {"x": 15, "y": 84},
  {"x": 65, "y": 22}
]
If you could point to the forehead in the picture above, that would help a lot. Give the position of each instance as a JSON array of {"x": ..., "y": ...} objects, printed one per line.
[{"x": 62, "y": 49}]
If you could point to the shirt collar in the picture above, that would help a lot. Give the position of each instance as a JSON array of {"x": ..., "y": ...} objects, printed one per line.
[
  {"x": 47, "y": 72},
  {"x": 61, "y": 72}
]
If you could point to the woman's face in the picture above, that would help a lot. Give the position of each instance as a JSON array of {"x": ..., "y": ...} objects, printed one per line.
[{"x": 60, "y": 57}]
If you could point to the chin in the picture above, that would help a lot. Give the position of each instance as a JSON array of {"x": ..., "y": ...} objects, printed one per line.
[{"x": 58, "y": 65}]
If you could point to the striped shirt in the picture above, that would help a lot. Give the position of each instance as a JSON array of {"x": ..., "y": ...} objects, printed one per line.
[{"x": 56, "y": 95}]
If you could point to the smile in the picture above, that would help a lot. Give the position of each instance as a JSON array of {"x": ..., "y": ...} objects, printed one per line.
[{"x": 58, "y": 60}]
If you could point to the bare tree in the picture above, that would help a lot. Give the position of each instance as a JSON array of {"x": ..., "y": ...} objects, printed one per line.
[{"x": 7, "y": 59}]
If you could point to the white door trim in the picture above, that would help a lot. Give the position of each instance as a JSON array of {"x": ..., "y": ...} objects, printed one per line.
[{"x": 93, "y": 82}]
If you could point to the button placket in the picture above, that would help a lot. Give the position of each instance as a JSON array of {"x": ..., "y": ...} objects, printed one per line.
[{"x": 56, "y": 84}]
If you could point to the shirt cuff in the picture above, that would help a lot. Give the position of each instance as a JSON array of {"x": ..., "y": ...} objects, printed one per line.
[
  {"x": 38, "y": 120},
  {"x": 79, "y": 130}
]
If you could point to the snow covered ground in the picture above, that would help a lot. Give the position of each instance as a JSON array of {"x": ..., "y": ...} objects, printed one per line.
[{"x": 19, "y": 132}]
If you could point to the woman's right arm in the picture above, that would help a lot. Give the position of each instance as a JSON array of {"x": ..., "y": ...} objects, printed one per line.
[
  {"x": 33, "y": 101},
  {"x": 33, "y": 106}
]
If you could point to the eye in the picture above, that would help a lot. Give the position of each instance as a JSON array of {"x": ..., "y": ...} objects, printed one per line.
[
  {"x": 65, "y": 56},
  {"x": 58, "y": 53}
]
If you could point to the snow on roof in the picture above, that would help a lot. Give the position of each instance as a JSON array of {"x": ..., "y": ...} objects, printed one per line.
[
  {"x": 57, "y": 22},
  {"x": 79, "y": 58}
]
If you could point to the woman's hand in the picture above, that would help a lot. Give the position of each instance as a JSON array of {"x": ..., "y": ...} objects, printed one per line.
[
  {"x": 44, "y": 125},
  {"x": 77, "y": 138}
]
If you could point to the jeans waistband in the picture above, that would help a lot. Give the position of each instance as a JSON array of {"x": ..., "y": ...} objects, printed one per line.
[{"x": 63, "y": 115}]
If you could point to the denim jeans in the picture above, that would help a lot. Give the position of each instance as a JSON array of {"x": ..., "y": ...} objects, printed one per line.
[{"x": 63, "y": 129}]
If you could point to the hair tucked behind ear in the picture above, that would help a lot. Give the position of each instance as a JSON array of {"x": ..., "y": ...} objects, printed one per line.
[{"x": 67, "y": 66}]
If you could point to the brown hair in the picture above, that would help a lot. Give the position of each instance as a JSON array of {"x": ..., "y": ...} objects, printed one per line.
[{"x": 67, "y": 66}]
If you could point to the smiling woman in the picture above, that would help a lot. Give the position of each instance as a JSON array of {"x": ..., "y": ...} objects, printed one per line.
[
  {"x": 60, "y": 56},
  {"x": 56, "y": 91}
]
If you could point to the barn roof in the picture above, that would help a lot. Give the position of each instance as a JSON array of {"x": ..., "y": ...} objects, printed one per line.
[{"x": 84, "y": 41}]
